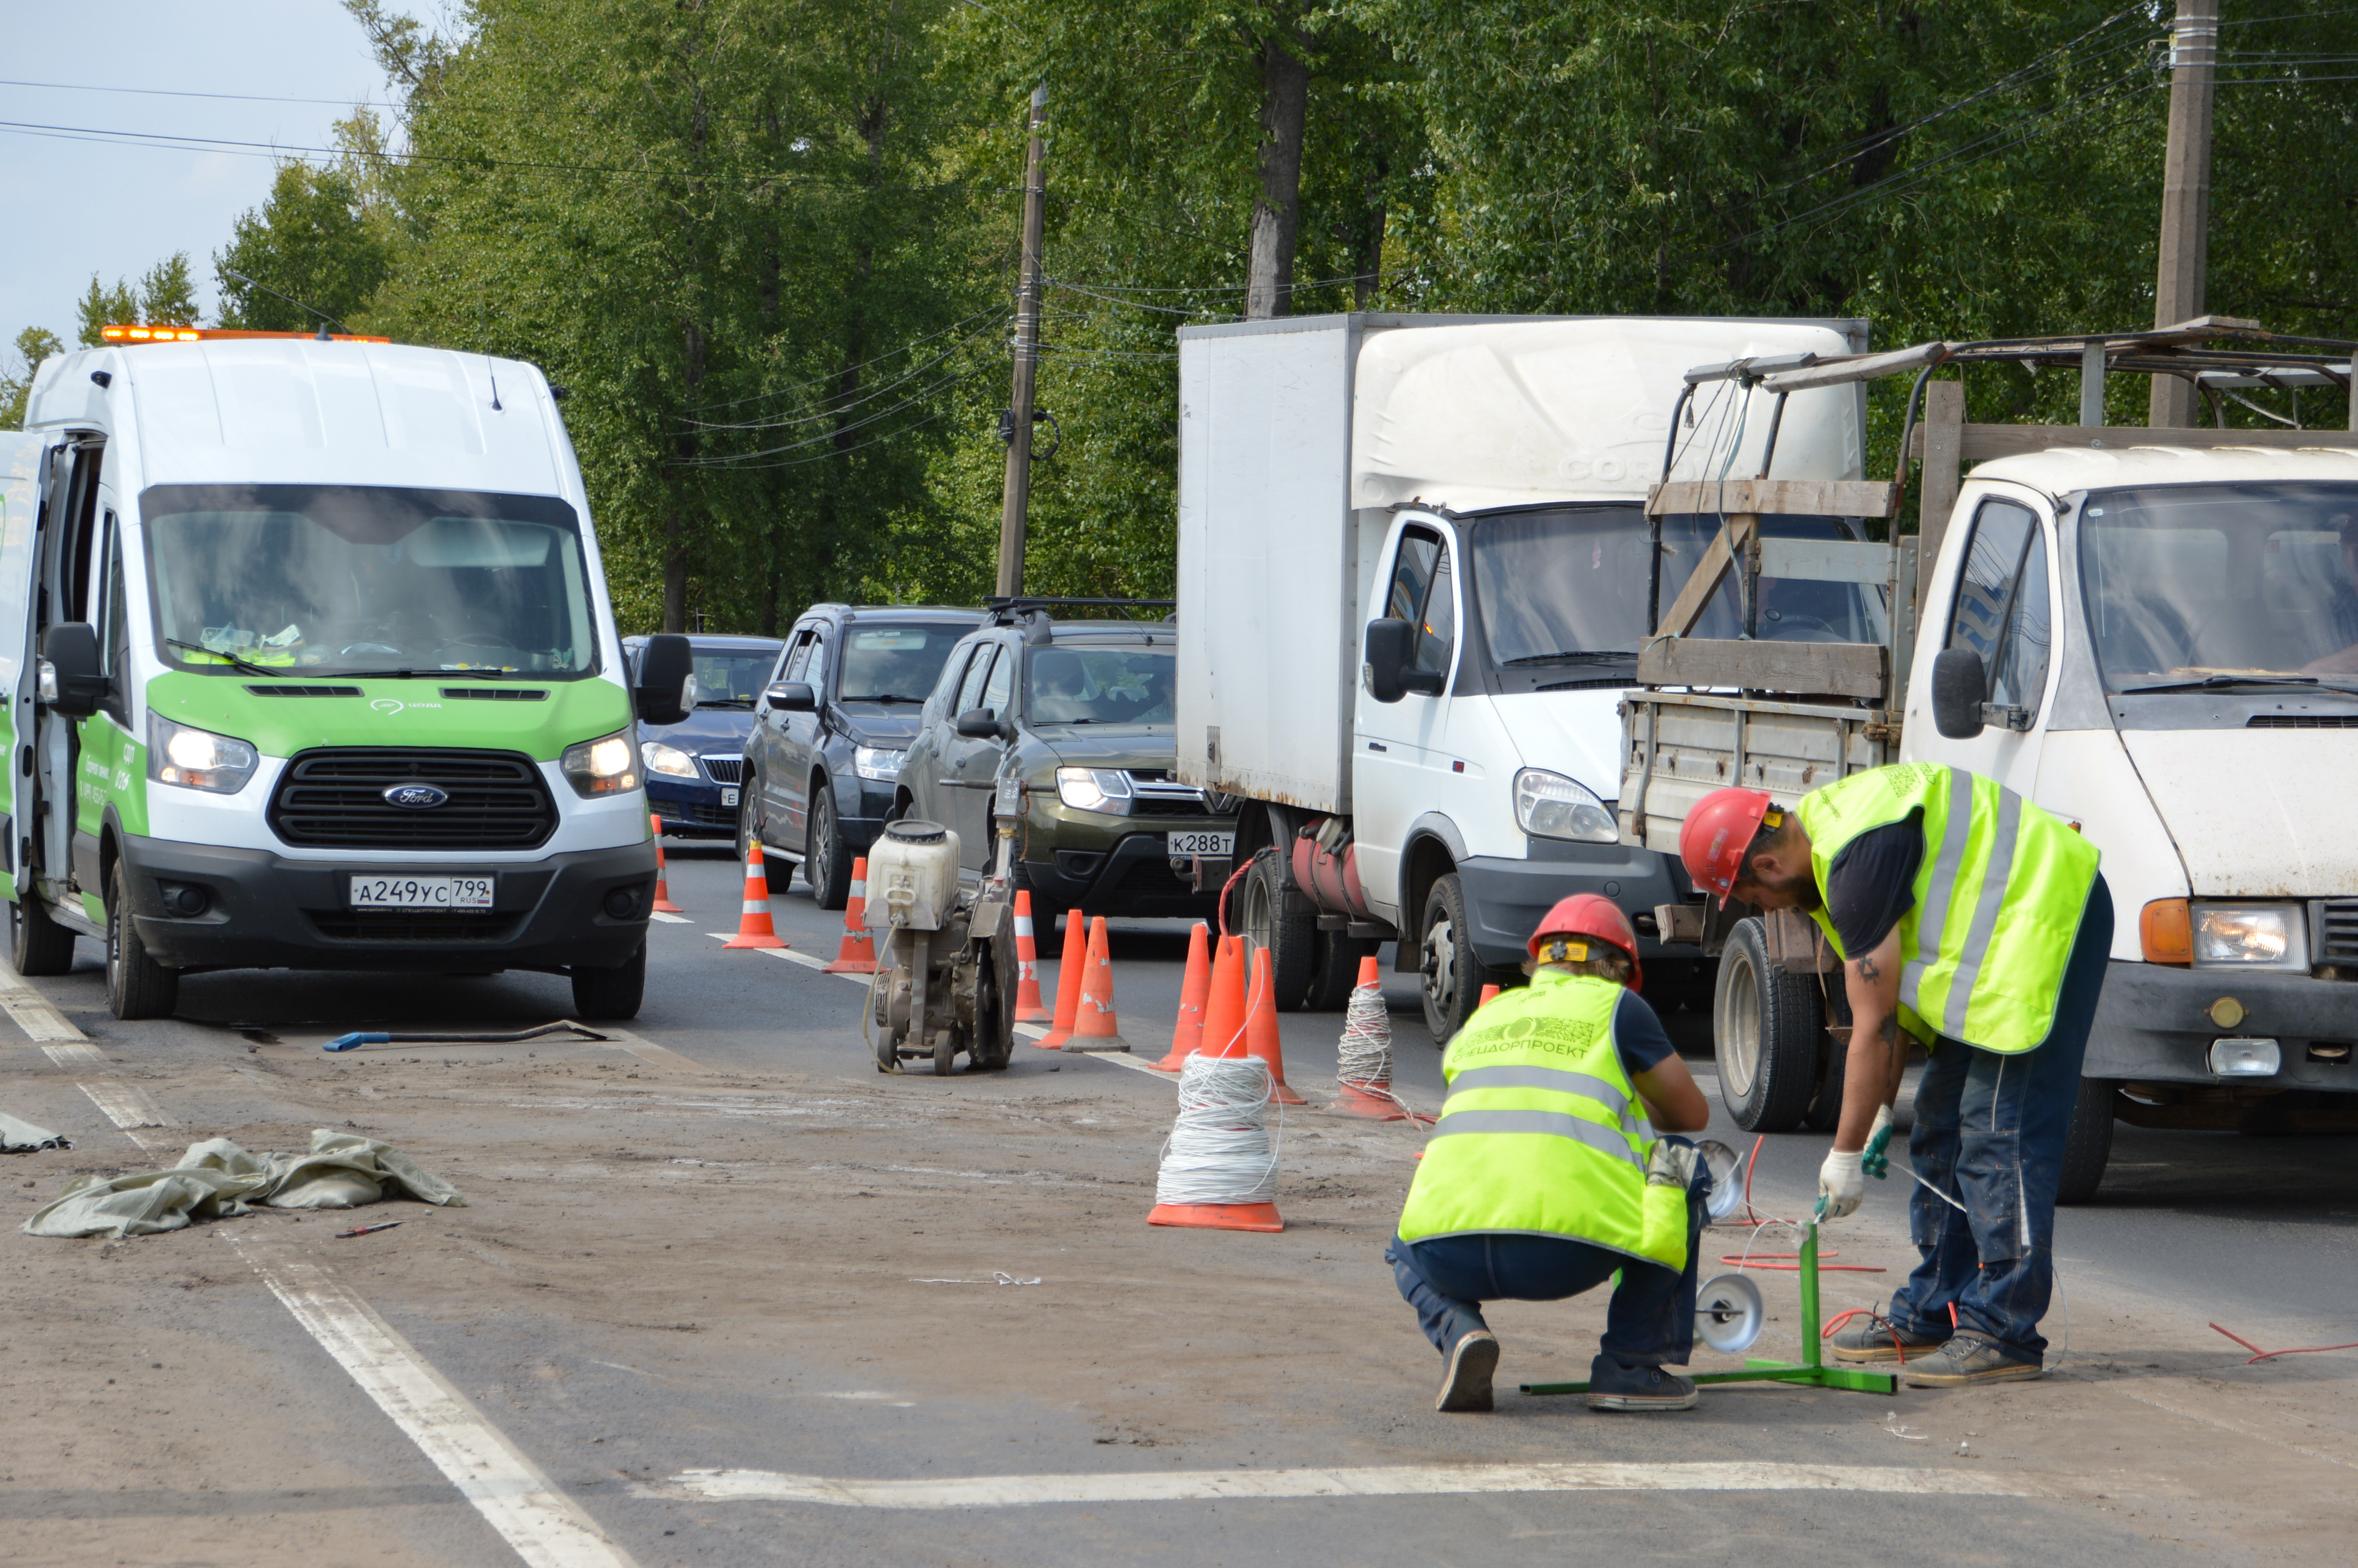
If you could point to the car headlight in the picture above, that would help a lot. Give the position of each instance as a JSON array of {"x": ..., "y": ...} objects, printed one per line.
[
  {"x": 198, "y": 758},
  {"x": 881, "y": 764},
  {"x": 2251, "y": 935},
  {"x": 1095, "y": 789},
  {"x": 1550, "y": 806},
  {"x": 602, "y": 766},
  {"x": 668, "y": 760}
]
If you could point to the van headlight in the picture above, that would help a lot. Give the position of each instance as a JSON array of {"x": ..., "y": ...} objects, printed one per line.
[
  {"x": 1095, "y": 789},
  {"x": 602, "y": 766},
  {"x": 669, "y": 761},
  {"x": 198, "y": 758},
  {"x": 881, "y": 764},
  {"x": 1550, "y": 806},
  {"x": 2251, "y": 936}
]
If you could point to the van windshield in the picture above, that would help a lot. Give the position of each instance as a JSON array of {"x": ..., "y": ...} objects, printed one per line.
[
  {"x": 347, "y": 580},
  {"x": 2217, "y": 582},
  {"x": 1572, "y": 580}
]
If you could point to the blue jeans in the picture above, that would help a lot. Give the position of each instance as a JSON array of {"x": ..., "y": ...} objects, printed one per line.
[
  {"x": 1649, "y": 1322},
  {"x": 1990, "y": 1129}
]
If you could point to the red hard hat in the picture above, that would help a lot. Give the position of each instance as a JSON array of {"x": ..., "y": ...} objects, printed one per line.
[
  {"x": 1716, "y": 834},
  {"x": 1588, "y": 915}
]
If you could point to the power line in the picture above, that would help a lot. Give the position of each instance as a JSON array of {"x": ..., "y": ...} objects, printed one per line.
[
  {"x": 821, "y": 380},
  {"x": 827, "y": 457},
  {"x": 181, "y": 92},
  {"x": 737, "y": 460},
  {"x": 872, "y": 393}
]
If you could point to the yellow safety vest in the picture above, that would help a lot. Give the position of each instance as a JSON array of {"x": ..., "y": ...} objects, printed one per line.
[
  {"x": 1998, "y": 899},
  {"x": 1542, "y": 1134}
]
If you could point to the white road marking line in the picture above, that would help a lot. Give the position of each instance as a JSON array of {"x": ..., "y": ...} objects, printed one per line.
[
  {"x": 2237, "y": 1429},
  {"x": 516, "y": 1498},
  {"x": 1391, "y": 1480},
  {"x": 126, "y": 1106},
  {"x": 668, "y": 919},
  {"x": 35, "y": 1013}
]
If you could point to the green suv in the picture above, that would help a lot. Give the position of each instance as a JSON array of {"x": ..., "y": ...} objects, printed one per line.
[{"x": 1081, "y": 712}]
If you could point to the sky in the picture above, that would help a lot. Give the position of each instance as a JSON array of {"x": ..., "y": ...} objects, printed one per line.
[{"x": 71, "y": 207}]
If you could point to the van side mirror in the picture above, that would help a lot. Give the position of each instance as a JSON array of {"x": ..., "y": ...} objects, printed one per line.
[
  {"x": 793, "y": 696},
  {"x": 1391, "y": 650},
  {"x": 666, "y": 680},
  {"x": 982, "y": 724},
  {"x": 1959, "y": 686},
  {"x": 69, "y": 678}
]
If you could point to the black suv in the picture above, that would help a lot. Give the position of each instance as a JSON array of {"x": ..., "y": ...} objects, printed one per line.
[{"x": 828, "y": 734}]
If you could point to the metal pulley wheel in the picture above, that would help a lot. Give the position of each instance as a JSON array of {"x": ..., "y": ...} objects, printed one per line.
[
  {"x": 1728, "y": 1313},
  {"x": 1725, "y": 1166}
]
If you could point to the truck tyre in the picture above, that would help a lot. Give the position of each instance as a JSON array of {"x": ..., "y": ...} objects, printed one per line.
[
  {"x": 1766, "y": 1029},
  {"x": 38, "y": 944},
  {"x": 1451, "y": 977},
  {"x": 137, "y": 985},
  {"x": 2088, "y": 1146},
  {"x": 611, "y": 996},
  {"x": 778, "y": 873},
  {"x": 1291, "y": 940},
  {"x": 1825, "y": 1105},
  {"x": 827, "y": 859},
  {"x": 1336, "y": 975}
]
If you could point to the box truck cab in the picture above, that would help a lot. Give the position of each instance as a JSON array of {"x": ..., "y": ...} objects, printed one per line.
[
  {"x": 308, "y": 664},
  {"x": 1414, "y": 574}
]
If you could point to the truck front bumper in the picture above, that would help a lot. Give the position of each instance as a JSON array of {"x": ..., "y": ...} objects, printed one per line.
[
  {"x": 1506, "y": 899},
  {"x": 2154, "y": 1025},
  {"x": 264, "y": 912}
]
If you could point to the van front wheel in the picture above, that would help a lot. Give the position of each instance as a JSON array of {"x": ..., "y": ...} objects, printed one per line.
[
  {"x": 137, "y": 985},
  {"x": 610, "y": 996}
]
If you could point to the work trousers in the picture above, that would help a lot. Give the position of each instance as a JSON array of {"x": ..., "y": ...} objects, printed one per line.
[
  {"x": 1990, "y": 1130},
  {"x": 1649, "y": 1322}
]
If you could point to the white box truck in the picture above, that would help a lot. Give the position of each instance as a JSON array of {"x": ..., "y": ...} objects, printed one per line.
[
  {"x": 2152, "y": 634},
  {"x": 1412, "y": 581}
]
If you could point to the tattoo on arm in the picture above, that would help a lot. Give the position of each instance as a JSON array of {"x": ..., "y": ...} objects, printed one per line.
[
  {"x": 1867, "y": 971},
  {"x": 1891, "y": 1032}
]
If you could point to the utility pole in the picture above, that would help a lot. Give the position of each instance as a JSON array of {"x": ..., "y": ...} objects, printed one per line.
[
  {"x": 2185, "y": 195},
  {"x": 1016, "y": 501}
]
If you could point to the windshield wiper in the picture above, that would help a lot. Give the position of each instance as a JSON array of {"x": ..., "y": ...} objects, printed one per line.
[
  {"x": 1597, "y": 657},
  {"x": 2220, "y": 682},
  {"x": 884, "y": 696},
  {"x": 244, "y": 667},
  {"x": 726, "y": 702}
]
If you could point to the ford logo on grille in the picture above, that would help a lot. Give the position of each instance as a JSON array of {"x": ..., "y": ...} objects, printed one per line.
[{"x": 415, "y": 796}]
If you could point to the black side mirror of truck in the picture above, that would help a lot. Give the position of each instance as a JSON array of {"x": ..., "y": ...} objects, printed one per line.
[
  {"x": 1960, "y": 686},
  {"x": 793, "y": 696},
  {"x": 982, "y": 724},
  {"x": 1391, "y": 650},
  {"x": 666, "y": 680},
  {"x": 70, "y": 682}
]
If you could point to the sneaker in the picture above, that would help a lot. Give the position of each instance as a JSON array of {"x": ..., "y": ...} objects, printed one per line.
[
  {"x": 1872, "y": 1340},
  {"x": 1613, "y": 1387},
  {"x": 1465, "y": 1381},
  {"x": 1969, "y": 1358}
]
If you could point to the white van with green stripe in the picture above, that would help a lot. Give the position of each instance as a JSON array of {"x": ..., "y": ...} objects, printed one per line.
[{"x": 308, "y": 664}]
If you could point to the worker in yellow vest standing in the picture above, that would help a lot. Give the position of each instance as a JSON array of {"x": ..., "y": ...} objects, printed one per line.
[
  {"x": 1973, "y": 921},
  {"x": 1548, "y": 1171}
]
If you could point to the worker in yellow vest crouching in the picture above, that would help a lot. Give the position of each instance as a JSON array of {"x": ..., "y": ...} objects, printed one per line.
[{"x": 1548, "y": 1171}]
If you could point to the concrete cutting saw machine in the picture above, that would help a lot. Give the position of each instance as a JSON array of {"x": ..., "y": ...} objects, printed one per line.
[{"x": 945, "y": 954}]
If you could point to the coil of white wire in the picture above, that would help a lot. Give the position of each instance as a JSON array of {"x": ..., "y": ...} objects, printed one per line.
[
  {"x": 1364, "y": 1055},
  {"x": 1220, "y": 1149}
]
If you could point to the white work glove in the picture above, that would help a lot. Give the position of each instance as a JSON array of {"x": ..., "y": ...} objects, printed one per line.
[{"x": 1842, "y": 1187}]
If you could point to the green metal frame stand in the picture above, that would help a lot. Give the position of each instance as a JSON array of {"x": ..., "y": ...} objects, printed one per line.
[{"x": 1812, "y": 1372}]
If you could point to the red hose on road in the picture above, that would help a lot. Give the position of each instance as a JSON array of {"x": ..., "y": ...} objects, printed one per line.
[{"x": 2259, "y": 1355}]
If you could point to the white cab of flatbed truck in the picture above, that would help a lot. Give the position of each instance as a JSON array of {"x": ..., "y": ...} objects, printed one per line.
[{"x": 1483, "y": 480}]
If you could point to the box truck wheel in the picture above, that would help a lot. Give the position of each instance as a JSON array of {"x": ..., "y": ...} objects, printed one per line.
[
  {"x": 611, "y": 996},
  {"x": 1291, "y": 940},
  {"x": 1451, "y": 977},
  {"x": 38, "y": 944},
  {"x": 2088, "y": 1145},
  {"x": 137, "y": 985},
  {"x": 1337, "y": 971},
  {"x": 1765, "y": 1026}
]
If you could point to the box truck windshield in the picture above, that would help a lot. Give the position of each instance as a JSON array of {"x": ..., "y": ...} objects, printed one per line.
[
  {"x": 343, "y": 580},
  {"x": 2221, "y": 582}
]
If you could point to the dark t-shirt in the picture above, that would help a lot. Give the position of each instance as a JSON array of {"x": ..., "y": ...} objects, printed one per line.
[
  {"x": 1638, "y": 1036},
  {"x": 1871, "y": 883}
]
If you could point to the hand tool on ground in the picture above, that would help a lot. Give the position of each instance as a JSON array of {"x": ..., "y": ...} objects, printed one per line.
[
  {"x": 563, "y": 1025},
  {"x": 367, "y": 1230}
]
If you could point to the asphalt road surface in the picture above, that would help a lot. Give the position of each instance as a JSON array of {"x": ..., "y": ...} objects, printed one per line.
[{"x": 724, "y": 1293}]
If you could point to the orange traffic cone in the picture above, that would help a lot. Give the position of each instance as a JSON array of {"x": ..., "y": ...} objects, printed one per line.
[
  {"x": 1489, "y": 994},
  {"x": 1097, "y": 1027},
  {"x": 1364, "y": 1055},
  {"x": 1069, "y": 984},
  {"x": 1027, "y": 964},
  {"x": 1224, "y": 1002},
  {"x": 1187, "y": 1035},
  {"x": 856, "y": 954},
  {"x": 663, "y": 904},
  {"x": 1261, "y": 1038},
  {"x": 754, "y": 927}
]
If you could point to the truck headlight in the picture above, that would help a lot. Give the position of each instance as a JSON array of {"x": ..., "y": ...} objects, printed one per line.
[
  {"x": 1550, "y": 806},
  {"x": 881, "y": 764},
  {"x": 666, "y": 760},
  {"x": 1095, "y": 789},
  {"x": 602, "y": 766},
  {"x": 2250, "y": 936},
  {"x": 198, "y": 758}
]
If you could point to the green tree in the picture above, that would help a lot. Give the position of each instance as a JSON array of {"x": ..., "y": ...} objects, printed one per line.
[
  {"x": 168, "y": 294},
  {"x": 33, "y": 345},
  {"x": 101, "y": 307},
  {"x": 312, "y": 241}
]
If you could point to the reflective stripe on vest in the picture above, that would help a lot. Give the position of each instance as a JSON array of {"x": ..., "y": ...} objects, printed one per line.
[
  {"x": 2023, "y": 877},
  {"x": 1558, "y": 1123},
  {"x": 1612, "y": 1096}
]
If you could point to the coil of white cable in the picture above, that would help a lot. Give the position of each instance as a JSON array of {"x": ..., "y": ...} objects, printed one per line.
[{"x": 1220, "y": 1149}]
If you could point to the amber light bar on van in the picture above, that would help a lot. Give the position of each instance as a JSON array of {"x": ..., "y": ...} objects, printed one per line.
[{"x": 216, "y": 334}]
